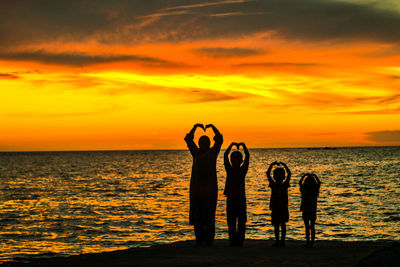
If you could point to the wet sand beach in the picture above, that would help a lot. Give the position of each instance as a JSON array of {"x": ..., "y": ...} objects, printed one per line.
[{"x": 253, "y": 253}]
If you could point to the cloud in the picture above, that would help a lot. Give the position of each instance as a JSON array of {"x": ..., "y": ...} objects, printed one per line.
[
  {"x": 384, "y": 136},
  {"x": 201, "y": 96},
  {"x": 204, "y": 96},
  {"x": 277, "y": 64},
  {"x": 390, "y": 99},
  {"x": 374, "y": 112},
  {"x": 134, "y": 22},
  {"x": 226, "y": 14},
  {"x": 389, "y": 51},
  {"x": 225, "y": 52},
  {"x": 319, "y": 95},
  {"x": 314, "y": 98},
  {"x": 208, "y": 4},
  {"x": 82, "y": 59},
  {"x": 8, "y": 76},
  {"x": 49, "y": 115},
  {"x": 180, "y": 94}
]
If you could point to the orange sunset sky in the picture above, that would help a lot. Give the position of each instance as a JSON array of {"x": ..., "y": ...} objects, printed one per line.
[{"x": 99, "y": 75}]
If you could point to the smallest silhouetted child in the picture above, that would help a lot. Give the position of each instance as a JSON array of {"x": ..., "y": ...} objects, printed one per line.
[
  {"x": 309, "y": 188},
  {"x": 235, "y": 193},
  {"x": 279, "y": 199}
]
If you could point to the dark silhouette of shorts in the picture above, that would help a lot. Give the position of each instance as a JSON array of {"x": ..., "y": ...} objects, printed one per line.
[
  {"x": 236, "y": 208},
  {"x": 309, "y": 215},
  {"x": 279, "y": 216}
]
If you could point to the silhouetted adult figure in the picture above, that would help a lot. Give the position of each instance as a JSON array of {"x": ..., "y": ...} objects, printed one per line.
[{"x": 203, "y": 184}]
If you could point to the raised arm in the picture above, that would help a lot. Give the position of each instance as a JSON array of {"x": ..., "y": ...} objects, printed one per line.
[
  {"x": 190, "y": 136},
  {"x": 302, "y": 179},
  {"x": 218, "y": 139},
  {"x": 194, "y": 128},
  {"x": 289, "y": 174},
  {"x": 226, "y": 155},
  {"x": 316, "y": 179},
  {"x": 269, "y": 172},
  {"x": 246, "y": 151},
  {"x": 215, "y": 130},
  {"x": 246, "y": 154},
  {"x": 318, "y": 182}
]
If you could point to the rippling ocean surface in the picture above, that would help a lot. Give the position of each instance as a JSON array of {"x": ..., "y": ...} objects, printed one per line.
[{"x": 65, "y": 203}]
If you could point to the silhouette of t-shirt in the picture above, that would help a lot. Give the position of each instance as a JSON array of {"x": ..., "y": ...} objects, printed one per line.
[
  {"x": 309, "y": 197},
  {"x": 279, "y": 195},
  {"x": 235, "y": 179}
]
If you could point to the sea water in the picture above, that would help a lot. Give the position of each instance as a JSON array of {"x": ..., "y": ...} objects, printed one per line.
[{"x": 66, "y": 203}]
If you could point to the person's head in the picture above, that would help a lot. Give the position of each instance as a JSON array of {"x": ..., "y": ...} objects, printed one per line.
[
  {"x": 279, "y": 174},
  {"x": 204, "y": 142},
  {"x": 309, "y": 180},
  {"x": 236, "y": 158},
  {"x": 311, "y": 185}
]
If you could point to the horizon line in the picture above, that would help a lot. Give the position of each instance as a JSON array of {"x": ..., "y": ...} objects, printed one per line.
[{"x": 179, "y": 149}]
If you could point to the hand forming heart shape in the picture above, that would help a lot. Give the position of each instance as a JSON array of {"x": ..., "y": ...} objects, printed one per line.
[
  {"x": 204, "y": 127},
  {"x": 237, "y": 144},
  {"x": 201, "y": 126}
]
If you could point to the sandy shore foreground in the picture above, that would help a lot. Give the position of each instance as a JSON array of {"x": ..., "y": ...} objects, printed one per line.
[{"x": 253, "y": 253}]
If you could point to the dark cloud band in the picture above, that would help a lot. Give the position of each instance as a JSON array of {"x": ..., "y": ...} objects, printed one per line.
[
  {"x": 385, "y": 136},
  {"x": 8, "y": 76},
  {"x": 223, "y": 52},
  {"x": 133, "y": 22},
  {"x": 81, "y": 59}
]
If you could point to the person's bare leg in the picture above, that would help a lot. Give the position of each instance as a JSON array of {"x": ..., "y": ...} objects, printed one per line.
[
  {"x": 209, "y": 234},
  {"x": 241, "y": 231},
  {"x": 276, "y": 231},
  {"x": 312, "y": 232},
  {"x": 198, "y": 231},
  {"x": 307, "y": 225},
  {"x": 283, "y": 230},
  {"x": 232, "y": 229}
]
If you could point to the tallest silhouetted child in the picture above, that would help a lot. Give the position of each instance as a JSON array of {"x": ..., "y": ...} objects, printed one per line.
[
  {"x": 279, "y": 199},
  {"x": 235, "y": 192},
  {"x": 203, "y": 184}
]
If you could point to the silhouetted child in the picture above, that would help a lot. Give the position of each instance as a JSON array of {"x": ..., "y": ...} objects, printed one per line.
[
  {"x": 279, "y": 199},
  {"x": 309, "y": 188},
  {"x": 235, "y": 192}
]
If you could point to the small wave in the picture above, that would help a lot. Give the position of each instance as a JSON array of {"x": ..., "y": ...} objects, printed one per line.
[
  {"x": 122, "y": 190},
  {"x": 345, "y": 194},
  {"x": 390, "y": 213},
  {"x": 144, "y": 212},
  {"x": 8, "y": 221},
  {"x": 342, "y": 235},
  {"x": 140, "y": 222},
  {"x": 169, "y": 232},
  {"x": 392, "y": 219},
  {"x": 92, "y": 232}
]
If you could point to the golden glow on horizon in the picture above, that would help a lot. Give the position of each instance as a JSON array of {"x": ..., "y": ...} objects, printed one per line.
[{"x": 288, "y": 95}]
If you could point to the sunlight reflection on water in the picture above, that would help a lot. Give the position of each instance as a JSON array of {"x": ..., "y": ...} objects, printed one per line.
[{"x": 63, "y": 203}]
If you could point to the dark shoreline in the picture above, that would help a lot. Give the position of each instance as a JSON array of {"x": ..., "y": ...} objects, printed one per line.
[{"x": 253, "y": 253}]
